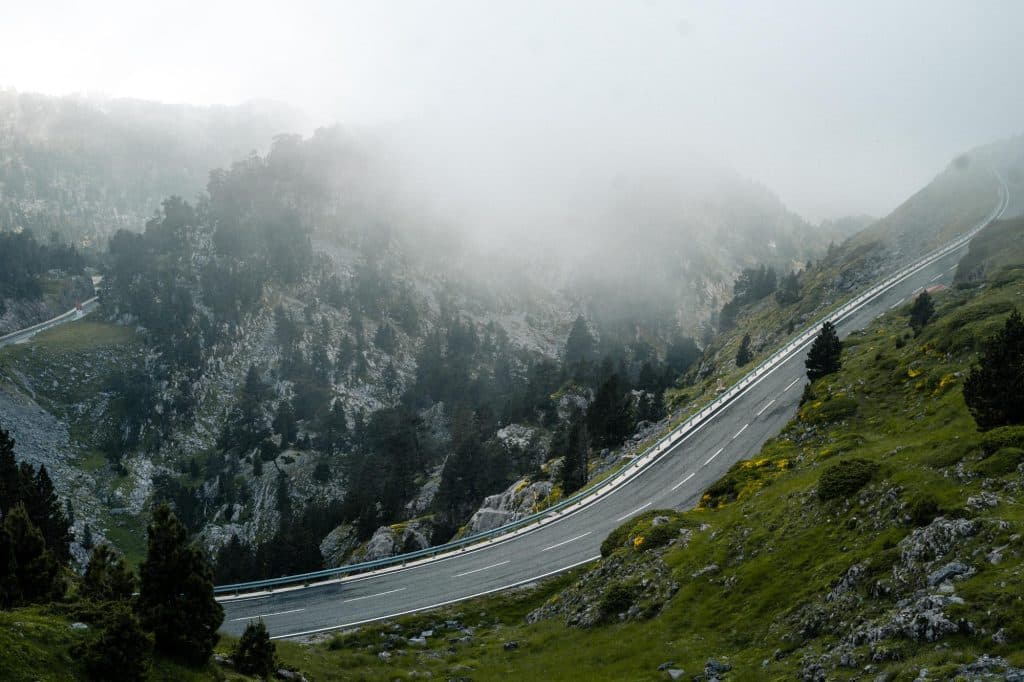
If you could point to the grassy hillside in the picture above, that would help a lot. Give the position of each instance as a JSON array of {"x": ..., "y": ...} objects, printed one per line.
[{"x": 832, "y": 553}]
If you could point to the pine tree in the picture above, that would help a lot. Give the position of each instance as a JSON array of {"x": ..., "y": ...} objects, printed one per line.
[
  {"x": 580, "y": 346},
  {"x": 47, "y": 514},
  {"x": 8, "y": 570},
  {"x": 255, "y": 653},
  {"x": 175, "y": 598},
  {"x": 824, "y": 356},
  {"x": 36, "y": 573},
  {"x": 609, "y": 417},
  {"x": 743, "y": 354},
  {"x": 575, "y": 465},
  {"x": 994, "y": 388},
  {"x": 10, "y": 478},
  {"x": 121, "y": 652},
  {"x": 107, "y": 577},
  {"x": 921, "y": 312},
  {"x": 284, "y": 422}
]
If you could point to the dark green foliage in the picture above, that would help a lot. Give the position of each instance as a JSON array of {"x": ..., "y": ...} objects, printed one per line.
[
  {"x": 788, "y": 292},
  {"x": 107, "y": 577},
  {"x": 752, "y": 285},
  {"x": 122, "y": 650},
  {"x": 255, "y": 653},
  {"x": 580, "y": 347},
  {"x": 844, "y": 478},
  {"x": 617, "y": 598},
  {"x": 609, "y": 417},
  {"x": 573, "y": 442},
  {"x": 994, "y": 387},
  {"x": 1001, "y": 462},
  {"x": 285, "y": 424},
  {"x": 87, "y": 542},
  {"x": 923, "y": 508},
  {"x": 743, "y": 353},
  {"x": 681, "y": 354},
  {"x": 23, "y": 261},
  {"x": 36, "y": 573},
  {"x": 21, "y": 484},
  {"x": 1002, "y": 437},
  {"x": 176, "y": 592},
  {"x": 921, "y": 312},
  {"x": 824, "y": 356}
]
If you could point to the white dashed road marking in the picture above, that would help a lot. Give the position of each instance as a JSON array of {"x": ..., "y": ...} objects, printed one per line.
[
  {"x": 267, "y": 615},
  {"x": 379, "y": 594},
  {"x": 791, "y": 384},
  {"x": 769, "y": 404},
  {"x": 713, "y": 456},
  {"x": 638, "y": 509},
  {"x": 477, "y": 570},
  {"x": 740, "y": 431},
  {"x": 566, "y": 542},
  {"x": 682, "y": 481}
]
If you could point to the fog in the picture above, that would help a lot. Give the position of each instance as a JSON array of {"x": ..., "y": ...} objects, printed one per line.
[{"x": 512, "y": 110}]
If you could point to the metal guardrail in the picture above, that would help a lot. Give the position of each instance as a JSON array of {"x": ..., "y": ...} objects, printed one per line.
[
  {"x": 651, "y": 455},
  {"x": 48, "y": 323}
]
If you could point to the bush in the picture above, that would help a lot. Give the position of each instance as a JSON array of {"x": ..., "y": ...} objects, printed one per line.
[
  {"x": 1002, "y": 462},
  {"x": 1002, "y": 437},
  {"x": 617, "y": 599},
  {"x": 255, "y": 653},
  {"x": 829, "y": 410},
  {"x": 122, "y": 650},
  {"x": 923, "y": 509},
  {"x": 845, "y": 478}
]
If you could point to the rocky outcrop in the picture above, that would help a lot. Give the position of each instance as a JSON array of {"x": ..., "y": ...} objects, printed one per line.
[
  {"x": 518, "y": 500},
  {"x": 400, "y": 538},
  {"x": 338, "y": 544}
]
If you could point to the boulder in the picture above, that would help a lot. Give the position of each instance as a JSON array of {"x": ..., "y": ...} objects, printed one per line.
[
  {"x": 954, "y": 569},
  {"x": 338, "y": 544},
  {"x": 517, "y": 501}
]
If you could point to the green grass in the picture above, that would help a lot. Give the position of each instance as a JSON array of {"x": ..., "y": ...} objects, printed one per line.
[{"x": 779, "y": 547}]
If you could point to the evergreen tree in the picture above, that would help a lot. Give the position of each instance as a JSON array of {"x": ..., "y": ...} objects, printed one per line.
[
  {"x": 336, "y": 428},
  {"x": 175, "y": 598},
  {"x": 122, "y": 651},
  {"x": 789, "y": 289},
  {"x": 609, "y": 418},
  {"x": 107, "y": 577},
  {"x": 10, "y": 478},
  {"x": 285, "y": 423},
  {"x": 9, "y": 593},
  {"x": 682, "y": 352},
  {"x": 743, "y": 354},
  {"x": 994, "y": 388},
  {"x": 255, "y": 653},
  {"x": 921, "y": 312},
  {"x": 87, "y": 542},
  {"x": 824, "y": 356},
  {"x": 234, "y": 561},
  {"x": 47, "y": 514},
  {"x": 576, "y": 443},
  {"x": 36, "y": 572},
  {"x": 580, "y": 346}
]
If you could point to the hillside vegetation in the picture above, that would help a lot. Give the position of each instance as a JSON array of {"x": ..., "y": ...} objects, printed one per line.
[{"x": 880, "y": 534}]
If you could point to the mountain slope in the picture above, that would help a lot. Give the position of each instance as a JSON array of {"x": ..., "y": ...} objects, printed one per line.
[{"x": 879, "y": 535}]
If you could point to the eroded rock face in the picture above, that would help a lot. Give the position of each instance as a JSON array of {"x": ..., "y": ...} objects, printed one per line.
[
  {"x": 338, "y": 544},
  {"x": 388, "y": 541},
  {"x": 518, "y": 500}
]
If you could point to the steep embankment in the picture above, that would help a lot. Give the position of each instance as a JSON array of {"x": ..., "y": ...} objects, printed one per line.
[{"x": 879, "y": 535}]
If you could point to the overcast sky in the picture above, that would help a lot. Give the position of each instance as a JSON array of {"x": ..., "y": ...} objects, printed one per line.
[{"x": 839, "y": 107}]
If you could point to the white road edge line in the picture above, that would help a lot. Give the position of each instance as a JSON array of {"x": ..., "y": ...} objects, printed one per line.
[
  {"x": 791, "y": 384},
  {"x": 713, "y": 456},
  {"x": 369, "y": 596},
  {"x": 566, "y": 542},
  {"x": 740, "y": 431},
  {"x": 477, "y": 570},
  {"x": 266, "y": 615},
  {"x": 769, "y": 404},
  {"x": 439, "y": 604},
  {"x": 897, "y": 303},
  {"x": 682, "y": 481},
  {"x": 638, "y": 509}
]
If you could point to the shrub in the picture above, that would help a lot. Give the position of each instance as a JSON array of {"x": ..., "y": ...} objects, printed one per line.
[
  {"x": 1004, "y": 461},
  {"x": 122, "y": 650},
  {"x": 255, "y": 653},
  {"x": 923, "y": 509},
  {"x": 617, "y": 599},
  {"x": 845, "y": 478},
  {"x": 1002, "y": 437}
]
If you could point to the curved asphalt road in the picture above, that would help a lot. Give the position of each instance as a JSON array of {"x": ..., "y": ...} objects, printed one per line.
[{"x": 675, "y": 480}]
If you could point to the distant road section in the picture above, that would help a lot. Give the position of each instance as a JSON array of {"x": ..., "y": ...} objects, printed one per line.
[{"x": 27, "y": 333}]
